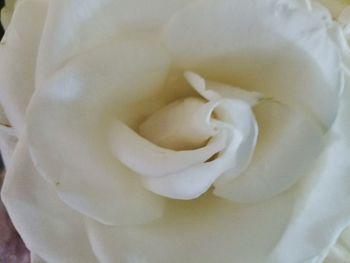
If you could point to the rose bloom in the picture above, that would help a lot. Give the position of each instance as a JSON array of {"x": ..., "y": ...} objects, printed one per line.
[{"x": 177, "y": 131}]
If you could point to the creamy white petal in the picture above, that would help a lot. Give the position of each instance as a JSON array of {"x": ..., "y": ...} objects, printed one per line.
[
  {"x": 68, "y": 126},
  {"x": 239, "y": 129},
  {"x": 239, "y": 114},
  {"x": 287, "y": 148},
  {"x": 206, "y": 230},
  {"x": 48, "y": 227},
  {"x": 181, "y": 125},
  {"x": 83, "y": 25},
  {"x": 18, "y": 52},
  {"x": 196, "y": 179},
  {"x": 340, "y": 251},
  {"x": 244, "y": 44},
  {"x": 322, "y": 211},
  {"x": 297, "y": 226},
  {"x": 148, "y": 159}
]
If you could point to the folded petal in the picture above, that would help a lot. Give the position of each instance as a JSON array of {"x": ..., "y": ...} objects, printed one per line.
[{"x": 148, "y": 159}]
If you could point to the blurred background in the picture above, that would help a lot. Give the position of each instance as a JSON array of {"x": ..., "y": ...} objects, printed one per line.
[
  {"x": 1, "y": 34},
  {"x": 12, "y": 248}
]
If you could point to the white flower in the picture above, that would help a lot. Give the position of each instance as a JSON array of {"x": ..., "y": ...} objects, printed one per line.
[{"x": 176, "y": 131}]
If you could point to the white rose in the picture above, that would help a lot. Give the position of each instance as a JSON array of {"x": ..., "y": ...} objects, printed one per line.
[{"x": 176, "y": 131}]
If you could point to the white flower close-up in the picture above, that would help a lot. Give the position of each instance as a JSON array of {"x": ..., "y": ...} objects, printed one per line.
[{"x": 177, "y": 131}]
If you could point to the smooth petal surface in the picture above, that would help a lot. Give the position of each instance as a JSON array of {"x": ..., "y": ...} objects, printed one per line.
[
  {"x": 148, "y": 159},
  {"x": 238, "y": 126},
  {"x": 322, "y": 210},
  {"x": 233, "y": 108},
  {"x": 299, "y": 225},
  {"x": 18, "y": 56},
  {"x": 340, "y": 251},
  {"x": 205, "y": 230},
  {"x": 244, "y": 43},
  {"x": 68, "y": 126},
  {"x": 46, "y": 224},
  {"x": 83, "y": 25},
  {"x": 288, "y": 145}
]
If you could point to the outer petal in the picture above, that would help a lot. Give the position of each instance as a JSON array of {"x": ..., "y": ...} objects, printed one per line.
[
  {"x": 71, "y": 23},
  {"x": 18, "y": 53},
  {"x": 288, "y": 145},
  {"x": 297, "y": 226},
  {"x": 340, "y": 252},
  {"x": 69, "y": 122},
  {"x": 322, "y": 211},
  {"x": 205, "y": 230},
  {"x": 48, "y": 227},
  {"x": 244, "y": 43}
]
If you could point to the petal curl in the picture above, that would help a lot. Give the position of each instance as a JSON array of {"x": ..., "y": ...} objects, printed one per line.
[
  {"x": 148, "y": 159},
  {"x": 238, "y": 125}
]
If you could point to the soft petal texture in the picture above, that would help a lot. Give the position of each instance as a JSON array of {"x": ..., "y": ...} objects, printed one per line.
[
  {"x": 232, "y": 106},
  {"x": 46, "y": 224},
  {"x": 148, "y": 159},
  {"x": 288, "y": 145},
  {"x": 244, "y": 43},
  {"x": 299, "y": 225},
  {"x": 77, "y": 105},
  {"x": 322, "y": 211},
  {"x": 83, "y": 25},
  {"x": 238, "y": 125},
  {"x": 340, "y": 252},
  {"x": 18, "y": 53},
  {"x": 181, "y": 125},
  {"x": 205, "y": 230}
]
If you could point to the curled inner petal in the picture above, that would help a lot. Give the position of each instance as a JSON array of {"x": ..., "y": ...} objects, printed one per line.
[{"x": 186, "y": 146}]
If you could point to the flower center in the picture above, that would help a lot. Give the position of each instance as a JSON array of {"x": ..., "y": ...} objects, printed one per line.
[
  {"x": 181, "y": 125},
  {"x": 192, "y": 143}
]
